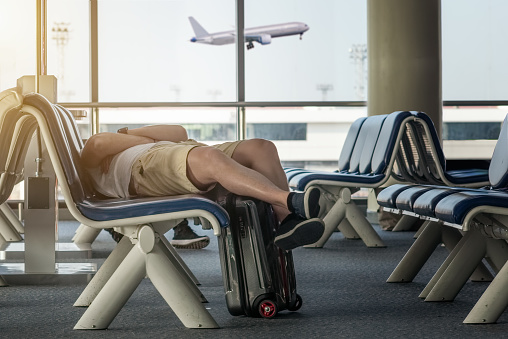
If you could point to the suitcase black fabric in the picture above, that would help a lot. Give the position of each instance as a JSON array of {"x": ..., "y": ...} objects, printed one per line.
[{"x": 259, "y": 278}]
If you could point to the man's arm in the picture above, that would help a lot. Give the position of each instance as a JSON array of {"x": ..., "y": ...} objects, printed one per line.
[
  {"x": 102, "y": 145},
  {"x": 174, "y": 133}
]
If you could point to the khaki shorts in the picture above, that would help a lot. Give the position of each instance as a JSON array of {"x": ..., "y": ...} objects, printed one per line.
[{"x": 162, "y": 170}]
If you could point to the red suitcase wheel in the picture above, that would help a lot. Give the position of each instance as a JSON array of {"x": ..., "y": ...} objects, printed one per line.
[{"x": 267, "y": 309}]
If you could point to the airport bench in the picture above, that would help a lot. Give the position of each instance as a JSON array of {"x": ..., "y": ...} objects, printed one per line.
[
  {"x": 402, "y": 146},
  {"x": 481, "y": 214},
  {"x": 14, "y": 129},
  {"x": 143, "y": 251},
  {"x": 366, "y": 160}
]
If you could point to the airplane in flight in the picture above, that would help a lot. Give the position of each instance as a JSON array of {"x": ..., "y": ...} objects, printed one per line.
[{"x": 261, "y": 34}]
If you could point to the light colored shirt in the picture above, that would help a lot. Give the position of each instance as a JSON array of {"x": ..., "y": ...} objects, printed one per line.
[{"x": 115, "y": 183}]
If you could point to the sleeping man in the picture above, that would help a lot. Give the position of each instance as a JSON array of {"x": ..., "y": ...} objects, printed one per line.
[{"x": 160, "y": 160}]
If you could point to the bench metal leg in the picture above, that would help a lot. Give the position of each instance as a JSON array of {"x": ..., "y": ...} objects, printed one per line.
[
  {"x": 442, "y": 269},
  {"x": 115, "y": 293},
  {"x": 493, "y": 301},
  {"x": 86, "y": 234},
  {"x": 147, "y": 258},
  {"x": 105, "y": 272},
  {"x": 405, "y": 223},
  {"x": 12, "y": 218},
  {"x": 451, "y": 237},
  {"x": 182, "y": 267},
  {"x": 497, "y": 253},
  {"x": 347, "y": 230},
  {"x": 332, "y": 219},
  {"x": 176, "y": 291},
  {"x": 418, "y": 254},
  {"x": 8, "y": 231},
  {"x": 362, "y": 226},
  {"x": 419, "y": 231},
  {"x": 467, "y": 258}
]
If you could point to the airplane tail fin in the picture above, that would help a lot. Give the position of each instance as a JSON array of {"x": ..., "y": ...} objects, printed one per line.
[{"x": 198, "y": 29}]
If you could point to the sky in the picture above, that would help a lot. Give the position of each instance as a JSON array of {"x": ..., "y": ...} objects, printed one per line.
[{"x": 146, "y": 55}]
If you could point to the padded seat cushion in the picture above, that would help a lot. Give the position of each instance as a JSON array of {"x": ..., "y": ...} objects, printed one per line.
[
  {"x": 388, "y": 196},
  {"x": 405, "y": 200},
  {"x": 455, "y": 207},
  {"x": 299, "y": 182},
  {"x": 114, "y": 209},
  {"x": 467, "y": 176},
  {"x": 425, "y": 204}
]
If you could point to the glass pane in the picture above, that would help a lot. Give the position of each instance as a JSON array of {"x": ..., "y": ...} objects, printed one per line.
[
  {"x": 207, "y": 125},
  {"x": 474, "y": 49},
  {"x": 145, "y": 52},
  {"x": 471, "y": 132},
  {"x": 68, "y": 34},
  {"x": 18, "y": 41},
  {"x": 312, "y": 137},
  {"x": 328, "y": 63}
]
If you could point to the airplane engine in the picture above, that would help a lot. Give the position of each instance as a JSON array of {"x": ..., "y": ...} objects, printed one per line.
[{"x": 265, "y": 39}]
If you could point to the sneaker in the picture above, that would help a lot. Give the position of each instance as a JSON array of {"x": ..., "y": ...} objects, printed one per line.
[
  {"x": 295, "y": 231},
  {"x": 185, "y": 238},
  {"x": 115, "y": 235},
  {"x": 306, "y": 204}
]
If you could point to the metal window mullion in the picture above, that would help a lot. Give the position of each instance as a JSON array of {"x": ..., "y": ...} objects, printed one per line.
[
  {"x": 42, "y": 53},
  {"x": 94, "y": 65},
  {"x": 240, "y": 70}
]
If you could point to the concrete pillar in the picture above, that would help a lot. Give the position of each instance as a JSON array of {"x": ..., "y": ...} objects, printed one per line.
[{"x": 404, "y": 57}]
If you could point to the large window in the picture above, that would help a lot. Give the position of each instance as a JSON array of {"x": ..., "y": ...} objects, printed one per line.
[
  {"x": 328, "y": 63},
  {"x": 68, "y": 41},
  {"x": 17, "y": 41},
  {"x": 474, "y": 49},
  {"x": 145, "y": 52}
]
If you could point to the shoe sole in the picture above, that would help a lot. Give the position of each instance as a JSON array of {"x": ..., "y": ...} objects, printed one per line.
[
  {"x": 190, "y": 244},
  {"x": 305, "y": 233},
  {"x": 312, "y": 195}
]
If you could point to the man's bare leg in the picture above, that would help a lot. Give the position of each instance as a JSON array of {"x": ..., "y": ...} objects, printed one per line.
[
  {"x": 261, "y": 155},
  {"x": 207, "y": 166}
]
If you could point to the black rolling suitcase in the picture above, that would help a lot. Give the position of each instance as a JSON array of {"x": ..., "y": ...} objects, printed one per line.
[{"x": 259, "y": 278}]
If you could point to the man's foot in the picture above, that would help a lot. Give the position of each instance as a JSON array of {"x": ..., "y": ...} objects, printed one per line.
[
  {"x": 295, "y": 231},
  {"x": 185, "y": 238},
  {"x": 305, "y": 204}
]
